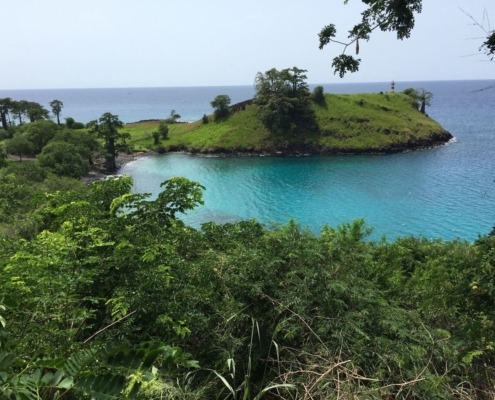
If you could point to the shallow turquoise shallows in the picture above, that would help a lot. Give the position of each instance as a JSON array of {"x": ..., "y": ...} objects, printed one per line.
[{"x": 408, "y": 194}]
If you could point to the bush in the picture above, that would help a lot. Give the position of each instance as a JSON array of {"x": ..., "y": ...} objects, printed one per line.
[
  {"x": 414, "y": 95},
  {"x": 20, "y": 146},
  {"x": 156, "y": 137},
  {"x": 3, "y": 159},
  {"x": 163, "y": 131},
  {"x": 319, "y": 95},
  {"x": 64, "y": 159},
  {"x": 221, "y": 105},
  {"x": 69, "y": 122}
]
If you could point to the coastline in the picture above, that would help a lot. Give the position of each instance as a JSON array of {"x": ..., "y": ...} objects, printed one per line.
[
  {"x": 98, "y": 173},
  {"x": 305, "y": 149}
]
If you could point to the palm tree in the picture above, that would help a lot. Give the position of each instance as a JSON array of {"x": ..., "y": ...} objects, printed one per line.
[
  {"x": 424, "y": 97},
  {"x": 56, "y": 106}
]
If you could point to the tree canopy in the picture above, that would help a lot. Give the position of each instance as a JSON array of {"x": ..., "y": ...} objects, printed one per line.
[
  {"x": 284, "y": 100},
  {"x": 221, "y": 105},
  {"x": 56, "y": 106},
  {"x": 387, "y": 15},
  {"x": 110, "y": 295},
  {"x": 107, "y": 127}
]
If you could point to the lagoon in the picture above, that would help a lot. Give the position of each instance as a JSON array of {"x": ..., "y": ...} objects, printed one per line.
[
  {"x": 446, "y": 192},
  {"x": 417, "y": 193}
]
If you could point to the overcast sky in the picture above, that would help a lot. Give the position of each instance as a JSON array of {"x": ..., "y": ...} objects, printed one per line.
[{"x": 156, "y": 43}]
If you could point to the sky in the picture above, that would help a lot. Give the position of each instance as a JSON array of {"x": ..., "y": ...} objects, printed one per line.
[{"x": 161, "y": 43}]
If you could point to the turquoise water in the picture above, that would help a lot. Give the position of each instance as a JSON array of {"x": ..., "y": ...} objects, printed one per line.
[
  {"x": 406, "y": 194},
  {"x": 446, "y": 192}
]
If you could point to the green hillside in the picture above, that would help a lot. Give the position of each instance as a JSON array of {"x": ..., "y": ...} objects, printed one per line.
[{"x": 349, "y": 123}]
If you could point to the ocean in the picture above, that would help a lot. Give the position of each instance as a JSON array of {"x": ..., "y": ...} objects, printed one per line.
[{"x": 446, "y": 192}]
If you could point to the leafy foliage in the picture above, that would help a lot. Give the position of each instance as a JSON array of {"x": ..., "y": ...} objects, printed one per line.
[
  {"x": 64, "y": 159},
  {"x": 163, "y": 130},
  {"x": 284, "y": 101},
  {"x": 20, "y": 146},
  {"x": 108, "y": 276},
  {"x": 56, "y": 106},
  {"x": 319, "y": 96},
  {"x": 387, "y": 15},
  {"x": 489, "y": 45},
  {"x": 107, "y": 127},
  {"x": 173, "y": 118},
  {"x": 221, "y": 106}
]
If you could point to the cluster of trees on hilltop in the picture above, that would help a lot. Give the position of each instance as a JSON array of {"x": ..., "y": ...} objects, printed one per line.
[
  {"x": 283, "y": 99},
  {"x": 106, "y": 294}
]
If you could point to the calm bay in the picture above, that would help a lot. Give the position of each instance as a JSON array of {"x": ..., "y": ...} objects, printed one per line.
[{"x": 446, "y": 192}]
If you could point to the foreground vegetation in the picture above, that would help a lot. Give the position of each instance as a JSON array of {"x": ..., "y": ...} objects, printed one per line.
[{"x": 106, "y": 294}]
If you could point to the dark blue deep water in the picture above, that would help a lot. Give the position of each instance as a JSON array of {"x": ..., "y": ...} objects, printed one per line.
[{"x": 446, "y": 192}]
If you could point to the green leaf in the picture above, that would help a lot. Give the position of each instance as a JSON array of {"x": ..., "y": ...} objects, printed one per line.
[{"x": 66, "y": 384}]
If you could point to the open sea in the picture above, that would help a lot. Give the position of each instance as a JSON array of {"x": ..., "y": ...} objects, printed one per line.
[{"x": 446, "y": 192}]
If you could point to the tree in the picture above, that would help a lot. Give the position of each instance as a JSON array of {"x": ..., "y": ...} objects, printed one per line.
[
  {"x": 163, "y": 130},
  {"x": 387, "y": 15},
  {"x": 107, "y": 127},
  {"x": 19, "y": 145},
  {"x": 489, "y": 45},
  {"x": 86, "y": 143},
  {"x": 71, "y": 123},
  {"x": 36, "y": 111},
  {"x": 319, "y": 95},
  {"x": 19, "y": 108},
  {"x": 39, "y": 133},
  {"x": 57, "y": 106},
  {"x": 5, "y": 105},
  {"x": 64, "y": 159},
  {"x": 221, "y": 105},
  {"x": 424, "y": 97},
  {"x": 174, "y": 117},
  {"x": 3, "y": 158},
  {"x": 284, "y": 100}
]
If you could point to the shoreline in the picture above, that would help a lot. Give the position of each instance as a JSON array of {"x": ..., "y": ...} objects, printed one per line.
[{"x": 98, "y": 173}]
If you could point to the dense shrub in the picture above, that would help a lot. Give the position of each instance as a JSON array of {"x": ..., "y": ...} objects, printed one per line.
[
  {"x": 64, "y": 159},
  {"x": 317, "y": 315},
  {"x": 319, "y": 95}
]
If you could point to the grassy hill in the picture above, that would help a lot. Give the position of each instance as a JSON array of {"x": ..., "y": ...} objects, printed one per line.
[{"x": 349, "y": 123}]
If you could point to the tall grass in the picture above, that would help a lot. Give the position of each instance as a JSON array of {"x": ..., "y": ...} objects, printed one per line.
[{"x": 371, "y": 122}]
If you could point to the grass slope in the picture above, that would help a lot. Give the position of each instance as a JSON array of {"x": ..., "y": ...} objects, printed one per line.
[{"x": 349, "y": 123}]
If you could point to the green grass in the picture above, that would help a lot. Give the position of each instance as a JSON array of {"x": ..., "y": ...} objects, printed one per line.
[{"x": 348, "y": 123}]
